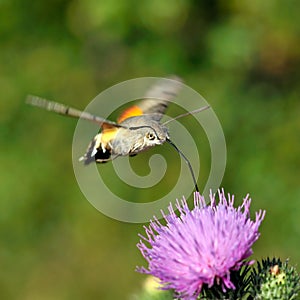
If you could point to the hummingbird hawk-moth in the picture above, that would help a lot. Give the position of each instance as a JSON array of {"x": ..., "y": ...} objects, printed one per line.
[{"x": 137, "y": 129}]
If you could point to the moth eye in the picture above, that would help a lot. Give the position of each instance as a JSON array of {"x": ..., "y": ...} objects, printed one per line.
[{"x": 150, "y": 136}]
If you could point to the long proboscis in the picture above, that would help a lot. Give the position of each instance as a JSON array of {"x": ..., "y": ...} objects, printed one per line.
[
  {"x": 178, "y": 150},
  {"x": 187, "y": 161},
  {"x": 67, "y": 110},
  {"x": 193, "y": 112}
]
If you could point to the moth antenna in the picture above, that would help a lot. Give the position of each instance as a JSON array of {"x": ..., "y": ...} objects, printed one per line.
[
  {"x": 193, "y": 112},
  {"x": 67, "y": 110},
  {"x": 188, "y": 163}
]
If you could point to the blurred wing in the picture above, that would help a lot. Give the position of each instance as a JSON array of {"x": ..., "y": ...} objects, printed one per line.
[
  {"x": 156, "y": 100},
  {"x": 131, "y": 111},
  {"x": 159, "y": 96},
  {"x": 68, "y": 111}
]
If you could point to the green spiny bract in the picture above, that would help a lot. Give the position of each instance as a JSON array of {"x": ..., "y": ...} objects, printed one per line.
[{"x": 274, "y": 279}]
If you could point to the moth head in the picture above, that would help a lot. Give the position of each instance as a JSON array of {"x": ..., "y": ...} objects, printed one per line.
[
  {"x": 147, "y": 128},
  {"x": 155, "y": 135}
]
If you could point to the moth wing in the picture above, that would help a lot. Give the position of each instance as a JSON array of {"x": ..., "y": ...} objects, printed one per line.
[
  {"x": 158, "y": 97},
  {"x": 131, "y": 111},
  {"x": 156, "y": 100},
  {"x": 68, "y": 111}
]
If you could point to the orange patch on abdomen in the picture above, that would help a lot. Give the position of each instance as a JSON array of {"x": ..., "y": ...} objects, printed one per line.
[{"x": 107, "y": 135}]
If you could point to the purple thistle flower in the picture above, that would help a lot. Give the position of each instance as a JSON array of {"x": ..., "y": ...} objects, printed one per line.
[{"x": 200, "y": 246}]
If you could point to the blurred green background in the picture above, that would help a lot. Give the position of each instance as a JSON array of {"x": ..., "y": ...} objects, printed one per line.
[{"x": 242, "y": 56}]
